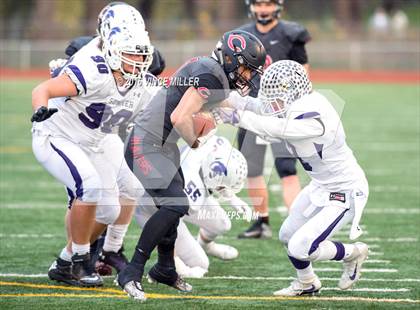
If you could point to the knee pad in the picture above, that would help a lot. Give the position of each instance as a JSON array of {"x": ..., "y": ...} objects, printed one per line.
[
  {"x": 285, "y": 166},
  {"x": 225, "y": 225},
  {"x": 284, "y": 235},
  {"x": 92, "y": 188},
  {"x": 298, "y": 247},
  {"x": 107, "y": 212}
]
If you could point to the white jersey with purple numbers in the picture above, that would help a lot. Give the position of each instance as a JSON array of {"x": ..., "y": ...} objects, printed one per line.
[
  {"x": 100, "y": 105},
  {"x": 191, "y": 160},
  {"x": 314, "y": 134}
]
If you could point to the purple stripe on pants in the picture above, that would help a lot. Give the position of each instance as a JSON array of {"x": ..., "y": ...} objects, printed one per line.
[
  {"x": 299, "y": 264},
  {"x": 73, "y": 170},
  {"x": 325, "y": 234}
]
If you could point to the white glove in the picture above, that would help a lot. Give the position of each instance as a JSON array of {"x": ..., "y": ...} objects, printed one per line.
[
  {"x": 227, "y": 116},
  {"x": 241, "y": 207},
  {"x": 56, "y": 63}
]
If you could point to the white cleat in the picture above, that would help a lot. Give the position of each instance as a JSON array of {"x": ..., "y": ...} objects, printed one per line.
[
  {"x": 298, "y": 288},
  {"x": 135, "y": 290},
  {"x": 222, "y": 251},
  {"x": 353, "y": 267}
]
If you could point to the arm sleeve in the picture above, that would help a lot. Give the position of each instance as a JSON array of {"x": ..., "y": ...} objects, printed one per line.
[
  {"x": 280, "y": 128},
  {"x": 210, "y": 88},
  {"x": 298, "y": 53},
  {"x": 246, "y": 103}
]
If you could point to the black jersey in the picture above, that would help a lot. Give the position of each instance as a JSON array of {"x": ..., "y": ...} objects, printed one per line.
[
  {"x": 285, "y": 41},
  {"x": 203, "y": 73}
]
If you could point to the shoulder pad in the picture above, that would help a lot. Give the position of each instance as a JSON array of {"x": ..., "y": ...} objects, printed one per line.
[
  {"x": 76, "y": 44},
  {"x": 247, "y": 27},
  {"x": 295, "y": 32}
]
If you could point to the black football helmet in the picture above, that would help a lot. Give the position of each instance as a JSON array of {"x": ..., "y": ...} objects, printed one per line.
[
  {"x": 264, "y": 20},
  {"x": 240, "y": 48}
]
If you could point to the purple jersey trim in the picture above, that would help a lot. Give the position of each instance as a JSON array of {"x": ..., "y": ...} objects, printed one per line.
[{"x": 79, "y": 75}]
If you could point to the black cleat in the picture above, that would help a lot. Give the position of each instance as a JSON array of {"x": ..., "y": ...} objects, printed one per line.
[
  {"x": 84, "y": 271},
  {"x": 117, "y": 260},
  {"x": 258, "y": 230},
  {"x": 61, "y": 271},
  {"x": 168, "y": 276}
]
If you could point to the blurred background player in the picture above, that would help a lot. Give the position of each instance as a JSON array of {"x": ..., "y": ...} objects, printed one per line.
[
  {"x": 68, "y": 141},
  {"x": 154, "y": 157},
  {"x": 287, "y": 108},
  {"x": 282, "y": 40},
  {"x": 213, "y": 173}
]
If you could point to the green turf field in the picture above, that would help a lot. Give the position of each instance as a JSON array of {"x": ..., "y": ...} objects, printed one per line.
[{"x": 382, "y": 125}]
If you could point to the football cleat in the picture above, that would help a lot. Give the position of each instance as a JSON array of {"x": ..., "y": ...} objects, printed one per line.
[
  {"x": 83, "y": 270},
  {"x": 222, "y": 251},
  {"x": 353, "y": 266},
  {"x": 134, "y": 289},
  {"x": 258, "y": 230},
  {"x": 117, "y": 260},
  {"x": 168, "y": 276},
  {"x": 298, "y": 288},
  {"x": 61, "y": 271}
]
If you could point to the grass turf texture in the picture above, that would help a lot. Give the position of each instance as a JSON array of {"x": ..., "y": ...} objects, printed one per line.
[{"x": 382, "y": 126}]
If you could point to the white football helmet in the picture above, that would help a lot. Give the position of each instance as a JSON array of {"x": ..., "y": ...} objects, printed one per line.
[
  {"x": 118, "y": 14},
  {"x": 224, "y": 171},
  {"x": 282, "y": 83},
  {"x": 128, "y": 40}
]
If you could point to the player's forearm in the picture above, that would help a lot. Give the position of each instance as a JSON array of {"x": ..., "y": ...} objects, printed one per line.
[
  {"x": 280, "y": 128},
  {"x": 185, "y": 128},
  {"x": 246, "y": 103}
]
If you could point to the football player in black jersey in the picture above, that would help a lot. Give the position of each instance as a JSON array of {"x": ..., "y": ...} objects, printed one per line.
[
  {"x": 153, "y": 155},
  {"x": 282, "y": 40}
]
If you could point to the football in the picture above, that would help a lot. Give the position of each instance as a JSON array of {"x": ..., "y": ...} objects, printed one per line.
[{"x": 204, "y": 122}]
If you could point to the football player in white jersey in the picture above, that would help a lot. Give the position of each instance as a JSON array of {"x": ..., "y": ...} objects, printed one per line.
[
  {"x": 287, "y": 108},
  {"x": 103, "y": 84},
  {"x": 213, "y": 173}
]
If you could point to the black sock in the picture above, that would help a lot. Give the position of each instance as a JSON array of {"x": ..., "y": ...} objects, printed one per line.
[
  {"x": 265, "y": 219},
  {"x": 153, "y": 232},
  {"x": 166, "y": 255}
]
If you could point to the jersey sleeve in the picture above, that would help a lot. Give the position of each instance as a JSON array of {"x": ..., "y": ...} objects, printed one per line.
[
  {"x": 88, "y": 73},
  {"x": 306, "y": 125},
  {"x": 210, "y": 87}
]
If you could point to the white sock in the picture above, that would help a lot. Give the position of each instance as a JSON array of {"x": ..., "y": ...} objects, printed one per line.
[
  {"x": 306, "y": 275},
  {"x": 114, "y": 237},
  {"x": 65, "y": 254},
  {"x": 329, "y": 250},
  {"x": 80, "y": 249}
]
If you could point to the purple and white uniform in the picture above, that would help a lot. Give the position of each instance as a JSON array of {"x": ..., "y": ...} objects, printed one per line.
[
  {"x": 338, "y": 191},
  {"x": 72, "y": 144}
]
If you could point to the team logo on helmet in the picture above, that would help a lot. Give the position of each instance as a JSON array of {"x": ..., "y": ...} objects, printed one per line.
[
  {"x": 268, "y": 61},
  {"x": 217, "y": 168},
  {"x": 286, "y": 85},
  {"x": 204, "y": 92},
  {"x": 236, "y": 37}
]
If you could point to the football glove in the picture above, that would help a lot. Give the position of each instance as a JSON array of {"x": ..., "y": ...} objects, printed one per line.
[
  {"x": 226, "y": 116},
  {"x": 43, "y": 113},
  {"x": 241, "y": 207}
]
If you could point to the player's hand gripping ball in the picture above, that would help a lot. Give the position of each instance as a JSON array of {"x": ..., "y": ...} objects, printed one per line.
[{"x": 204, "y": 123}]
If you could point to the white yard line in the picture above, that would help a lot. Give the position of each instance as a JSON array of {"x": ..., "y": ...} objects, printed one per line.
[
  {"x": 369, "y": 290},
  {"x": 370, "y": 270},
  {"x": 369, "y": 261},
  {"x": 396, "y": 211}
]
